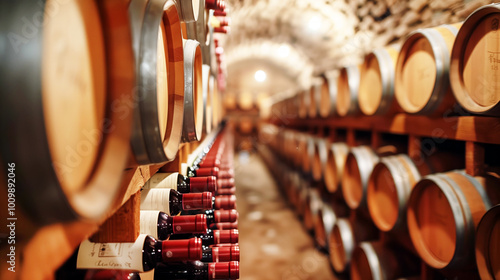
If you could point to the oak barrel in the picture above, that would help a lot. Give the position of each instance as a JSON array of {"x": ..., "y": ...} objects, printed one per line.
[
  {"x": 303, "y": 101},
  {"x": 318, "y": 157},
  {"x": 443, "y": 212},
  {"x": 474, "y": 66},
  {"x": 324, "y": 225},
  {"x": 488, "y": 245},
  {"x": 328, "y": 97},
  {"x": 314, "y": 95},
  {"x": 343, "y": 239},
  {"x": 347, "y": 91},
  {"x": 334, "y": 165},
  {"x": 64, "y": 115},
  {"x": 422, "y": 82},
  {"x": 358, "y": 166},
  {"x": 376, "y": 89},
  {"x": 158, "y": 46},
  {"x": 193, "y": 92}
]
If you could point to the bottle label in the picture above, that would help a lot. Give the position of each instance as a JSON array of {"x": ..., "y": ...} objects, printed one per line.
[
  {"x": 149, "y": 222},
  {"x": 162, "y": 181},
  {"x": 184, "y": 169},
  {"x": 156, "y": 199},
  {"x": 123, "y": 256},
  {"x": 150, "y": 275}
]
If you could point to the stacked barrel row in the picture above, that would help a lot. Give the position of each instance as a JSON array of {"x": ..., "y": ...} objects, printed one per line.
[
  {"x": 376, "y": 210},
  {"x": 446, "y": 70},
  {"x": 95, "y": 87}
]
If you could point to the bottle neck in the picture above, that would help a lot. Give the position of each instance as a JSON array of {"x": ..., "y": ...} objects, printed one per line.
[
  {"x": 151, "y": 253},
  {"x": 175, "y": 202},
  {"x": 183, "y": 184},
  {"x": 189, "y": 271},
  {"x": 165, "y": 226},
  {"x": 207, "y": 255}
]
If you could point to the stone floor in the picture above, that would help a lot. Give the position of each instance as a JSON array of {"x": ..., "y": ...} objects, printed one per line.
[{"x": 274, "y": 245}]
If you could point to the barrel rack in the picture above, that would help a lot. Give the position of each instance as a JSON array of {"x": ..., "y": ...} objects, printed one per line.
[{"x": 479, "y": 133}]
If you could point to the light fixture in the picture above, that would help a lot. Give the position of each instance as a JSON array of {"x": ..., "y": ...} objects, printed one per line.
[
  {"x": 260, "y": 76},
  {"x": 284, "y": 51},
  {"x": 314, "y": 23}
]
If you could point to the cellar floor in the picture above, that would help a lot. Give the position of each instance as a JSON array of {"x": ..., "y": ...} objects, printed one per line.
[{"x": 273, "y": 243}]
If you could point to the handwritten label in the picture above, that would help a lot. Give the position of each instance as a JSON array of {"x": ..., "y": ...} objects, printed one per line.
[
  {"x": 162, "y": 181},
  {"x": 126, "y": 256}
]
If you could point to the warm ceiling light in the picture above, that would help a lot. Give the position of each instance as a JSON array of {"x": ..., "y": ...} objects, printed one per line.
[
  {"x": 284, "y": 51},
  {"x": 260, "y": 76},
  {"x": 314, "y": 23}
]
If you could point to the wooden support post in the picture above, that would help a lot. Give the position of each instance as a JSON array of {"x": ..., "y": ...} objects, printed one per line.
[
  {"x": 474, "y": 158},
  {"x": 124, "y": 225},
  {"x": 351, "y": 137},
  {"x": 332, "y": 135},
  {"x": 414, "y": 148},
  {"x": 376, "y": 139}
]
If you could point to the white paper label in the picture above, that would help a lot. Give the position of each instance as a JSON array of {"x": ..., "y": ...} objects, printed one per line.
[
  {"x": 149, "y": 222},
  {"x": 184, "y": 168},
  {"x": 156, "y": 199},
  {"x": 123, "y": 256},
  {"x": 162, "y": 181}
]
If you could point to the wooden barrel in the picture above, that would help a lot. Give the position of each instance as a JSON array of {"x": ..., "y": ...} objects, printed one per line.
[
  {"x": 159, "y": 113},
  {"x": 193, "y": 92},
  {"x": 301, "y": 139},
  {"x": 374, "y": 261},
  {"x": 376, "y": 89},
  {"x": 443, "y": 212},
  {"x": 314, "y": 95},
  {"x": 357, "y": 170},
  {"x": 344, "y": 238},
  {"x": 308, "y": 152},
  {"x": 207, "y": 99},
  {"x": 392, "y": 180},
  {"x": 347, "y": 91},
  {"x": 328, "y": 97},
  {"x": 334, "y": 165},
  {"x": 324, "y": 225},
  {"x": 245, "y": 125},
  {"x": 313, "y": 205},
  {"x": 422, "y": 82},
  {"x": 303, "y": 101},
  {"x": 488, "y": 245},
  {"x": 318, "y": 158},
  {"x": 66, "y": 123},
  {"x": 474, "y": 69}
]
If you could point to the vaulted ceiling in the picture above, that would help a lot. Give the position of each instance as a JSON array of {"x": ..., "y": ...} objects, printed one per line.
[{"x": 293, "y": 40}]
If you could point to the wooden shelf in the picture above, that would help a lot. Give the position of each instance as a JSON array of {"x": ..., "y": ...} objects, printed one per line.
[{"x": 464, "y": 128}]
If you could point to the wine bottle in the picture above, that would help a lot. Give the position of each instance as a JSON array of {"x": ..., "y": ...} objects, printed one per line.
[
  {"x": 225, "y": 183},
  {"x": 226, "y": 191},
  {"x": 203, "y": 172},
  {"x": 160, "y": 225},
  {"x": 212, "y": 237},
  {"x": 198, "y": 271},
  {"x": 142, "y": 255},
  {"x": 182, "y": 183},
  {"x": 173, "y": 202},
  {"x": 225, "y": 225},
  {"x": 221, "y": 254},
  {"x": 225, "y": 202}
]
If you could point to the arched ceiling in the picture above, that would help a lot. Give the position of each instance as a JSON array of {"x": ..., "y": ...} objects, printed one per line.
[{"x": 292, "y": 40}]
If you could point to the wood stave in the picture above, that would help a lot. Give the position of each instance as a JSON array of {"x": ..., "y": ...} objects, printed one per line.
[
  {"x": 327, "y": 107},
  {"x": 465, "y": 218},
  {"x": 404, "y": 174},
  {"x": 441, "y": 98},
  {"x": 314, "y": 96},
  {"x": 193, "y": 92},
  {"x": 363, "y": 159},
  {"x": 303, "y": 102},
  {"x": 387, "y": 65},
  {"x": 457, "y": 83},
  {"x": 148, "y": 145},
  {"x": 333, "y": 168},
  {"x": 54, "y": 202},
  {"x": 318, "y": 158},
  {"x": 324, "y": 225},
  {"x": 352, "y": 75},
  {"x": 488, "y": 269}
]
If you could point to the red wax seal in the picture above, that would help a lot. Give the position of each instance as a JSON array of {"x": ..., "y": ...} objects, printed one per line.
[
  {"x": 226, "y": 254},
  {"x": 226, "y": 173},
  {"x": 207, "y": 171},
  {"x": 225, "y": 183},
  {"x": 197, "y": 201},
  {"x": 203, "y": 184},
  {"x": 190, "y": 224},
  {"x": 228, "y": 270},
  {"x": 226, "y": 236},
  {"x": 182, "y": 250},
  {"x": 226, "y": 191},
  {"x": 226, "y": 216},
  {"x": 210, "y": 162},
  {"x": 226, "y": 202}
]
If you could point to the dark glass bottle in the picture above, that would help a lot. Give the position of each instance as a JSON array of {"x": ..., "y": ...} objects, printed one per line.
[
  {"x": 142, "y": 255},
  {"x": 160, "y": 225},
  {"x": 173, "y": 202},
  {"x": 212, "y": 237},
  {"x": 198, "y": 271},
  {"x": 203, "y": 172},
  {"x": 221, "y": 254},
  {"x": 182, "y": 183}
]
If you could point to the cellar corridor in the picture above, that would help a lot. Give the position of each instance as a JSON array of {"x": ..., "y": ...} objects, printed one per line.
[{"x": 274, "y": 244}]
